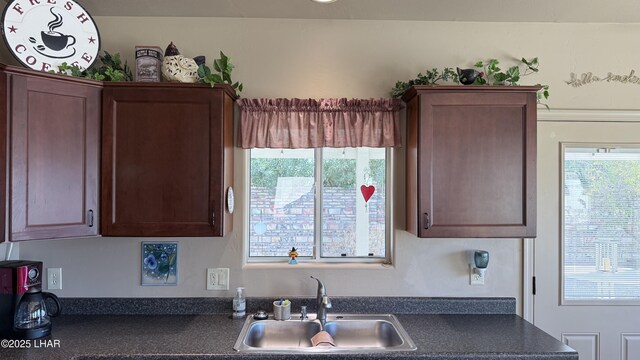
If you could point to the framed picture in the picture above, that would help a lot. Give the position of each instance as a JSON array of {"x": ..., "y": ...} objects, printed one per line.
[{"x": 159, "y": 263}]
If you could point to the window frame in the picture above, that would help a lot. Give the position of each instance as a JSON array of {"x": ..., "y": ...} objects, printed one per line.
[
  {"x": 316, "y": 258},
  {"x": 587, "y": 302}
]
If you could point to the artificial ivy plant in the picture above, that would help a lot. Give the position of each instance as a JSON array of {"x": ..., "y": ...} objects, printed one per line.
[
  {"x": 493, "y": 75},
  {"x": 430, "y": 77},
  {"x": 222, "y": 75},
  {"x": 112, "y": 69}
]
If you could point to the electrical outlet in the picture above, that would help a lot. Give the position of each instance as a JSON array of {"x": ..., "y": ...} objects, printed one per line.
[
  {"x": 54, "y": 278},
  {"x": 218, "y": 279},
  {"x": 475, "y": 279}
]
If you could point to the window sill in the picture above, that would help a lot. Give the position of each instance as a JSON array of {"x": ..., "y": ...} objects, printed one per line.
[{"x": 317, "y": 265}]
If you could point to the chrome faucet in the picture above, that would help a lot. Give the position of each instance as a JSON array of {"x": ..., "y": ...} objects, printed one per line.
[{"x": 322, "y": 303}]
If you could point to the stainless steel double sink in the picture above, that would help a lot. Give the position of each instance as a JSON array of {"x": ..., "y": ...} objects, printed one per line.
[{"x": 352, "y": 333}]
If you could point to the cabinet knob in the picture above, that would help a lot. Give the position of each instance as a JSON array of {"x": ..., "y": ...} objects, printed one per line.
[
  {"x": 213, "y": 218},
  {"x": 426, "y": 220},
  {"x": 90, "y": 218}
]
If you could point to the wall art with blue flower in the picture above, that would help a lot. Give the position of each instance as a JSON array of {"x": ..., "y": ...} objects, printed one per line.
[{"x": 159, "y": 263}]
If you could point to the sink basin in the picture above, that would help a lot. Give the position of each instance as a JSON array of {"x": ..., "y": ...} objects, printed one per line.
[{"x": 351, "y": 333}]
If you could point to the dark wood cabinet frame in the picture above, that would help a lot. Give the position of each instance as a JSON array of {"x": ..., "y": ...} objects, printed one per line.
[
  {"x": 471, "y": 161},
  {"x": 50, "y": 155},
  {"x": 58, "y": 130},
  {"x": 167, "y": 159}
]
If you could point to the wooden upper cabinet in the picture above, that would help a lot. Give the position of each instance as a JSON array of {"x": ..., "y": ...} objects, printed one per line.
[
  {"x": 167, "y": 159},
  {"x": 471, "y": 161},
  {"x": 54, "y": 143}
]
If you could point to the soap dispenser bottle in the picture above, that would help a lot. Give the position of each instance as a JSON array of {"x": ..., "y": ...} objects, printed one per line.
[{"x": 239, "y": 304}]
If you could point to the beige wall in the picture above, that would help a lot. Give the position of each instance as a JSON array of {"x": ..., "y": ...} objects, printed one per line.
[{"x": 322, "y": 58}]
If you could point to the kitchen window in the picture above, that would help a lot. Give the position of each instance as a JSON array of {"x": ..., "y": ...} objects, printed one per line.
[
  {"x": 319, "y": 178},
  {"x": 331, "y": 204}
]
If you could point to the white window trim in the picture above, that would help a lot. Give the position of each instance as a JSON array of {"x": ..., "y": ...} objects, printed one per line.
[
  {"x": 317, "y": 261},
  {"x": 590, "y": 302}
]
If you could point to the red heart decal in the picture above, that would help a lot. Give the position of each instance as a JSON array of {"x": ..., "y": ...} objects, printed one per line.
[{"x": 367, "y": 192}]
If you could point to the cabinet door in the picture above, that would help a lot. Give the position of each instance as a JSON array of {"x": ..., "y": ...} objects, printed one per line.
[
  {"x": 162, "y": 162},
  {"x": 55, "y": 129},
  {"x": 476, "y": 175}
]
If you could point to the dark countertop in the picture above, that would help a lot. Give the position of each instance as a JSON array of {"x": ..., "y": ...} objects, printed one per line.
[{"x": 194, "y": 337}]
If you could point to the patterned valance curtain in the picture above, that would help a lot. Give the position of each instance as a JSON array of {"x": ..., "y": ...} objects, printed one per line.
[{"x": 308, "y": 123}]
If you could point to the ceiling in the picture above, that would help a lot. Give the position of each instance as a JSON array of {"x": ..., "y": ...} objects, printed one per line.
[{"x": 583, "y": 11}]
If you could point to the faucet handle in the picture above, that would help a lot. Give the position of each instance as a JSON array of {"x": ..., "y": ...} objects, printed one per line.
[{"x": 303, "y": 312}]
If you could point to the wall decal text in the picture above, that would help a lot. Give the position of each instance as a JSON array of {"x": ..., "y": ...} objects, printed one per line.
[{"x": 588, "y": 78}]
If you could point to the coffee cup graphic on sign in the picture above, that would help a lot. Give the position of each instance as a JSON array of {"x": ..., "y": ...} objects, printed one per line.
[{"x": 56, "y": 40}]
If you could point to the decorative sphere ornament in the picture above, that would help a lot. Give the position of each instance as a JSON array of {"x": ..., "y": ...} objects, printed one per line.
[{"x": 468, "y": 76}]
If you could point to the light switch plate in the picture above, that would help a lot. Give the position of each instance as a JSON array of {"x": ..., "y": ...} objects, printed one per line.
[
  {"x": 54, "y": 278},
  {"x": 218, "y": 279}
]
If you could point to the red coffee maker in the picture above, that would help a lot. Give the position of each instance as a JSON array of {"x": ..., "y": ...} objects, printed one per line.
[{"x": 24, "y": 313}]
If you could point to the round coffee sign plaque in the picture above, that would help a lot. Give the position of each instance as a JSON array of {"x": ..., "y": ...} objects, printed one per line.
[{"x": 43, "y": 34}]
